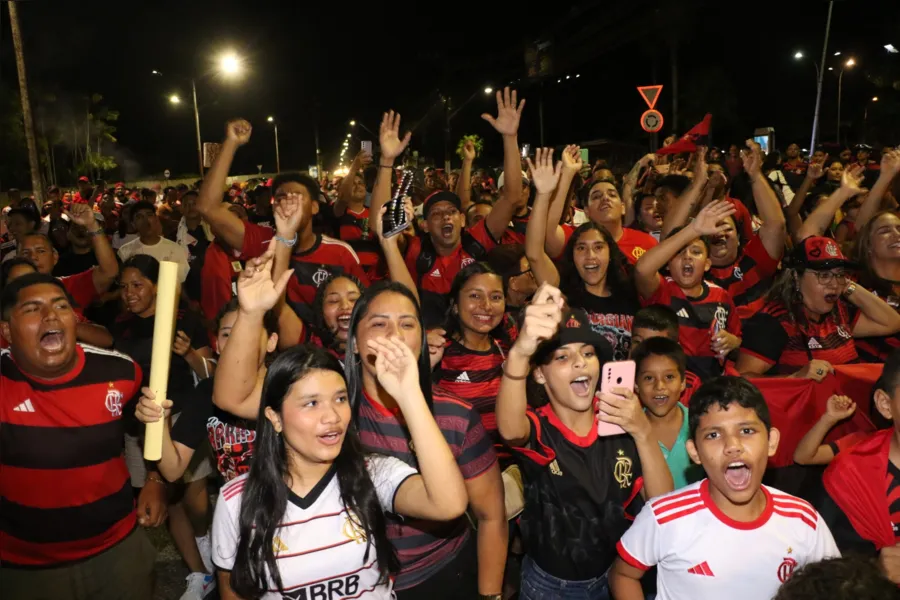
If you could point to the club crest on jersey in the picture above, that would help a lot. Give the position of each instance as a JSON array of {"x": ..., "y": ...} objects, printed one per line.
[
  {"x": 466, "y": 262},
  {"x": 637, "y": 252},
  {"x": 843, "y": 332},
  {"x": 738, "y": 274},
  {"x": 278, "y": 545},
  {"x": 114, "y": 401},
  {"x": 320, "y": 276},
  {"x": 353, "y": 530},
  {"x": 786, "y": 568},
  {"x": 622, "y": 470}
]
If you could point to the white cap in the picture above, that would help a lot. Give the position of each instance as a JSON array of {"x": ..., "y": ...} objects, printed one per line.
[{"x": 500, "y": 181}]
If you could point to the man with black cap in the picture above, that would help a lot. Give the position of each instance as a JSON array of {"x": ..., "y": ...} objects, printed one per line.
[
  {"x": 434, "y": 259},
  {"x": 814, "y": 313},
  {"x": 863, "y": 152}
]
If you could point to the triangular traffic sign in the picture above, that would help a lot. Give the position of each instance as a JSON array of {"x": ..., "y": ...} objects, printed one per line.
[{"x": 650, "y": 93}]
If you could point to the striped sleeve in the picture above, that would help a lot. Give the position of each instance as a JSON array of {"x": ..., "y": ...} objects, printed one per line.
[{"x": 225, "y": 532}]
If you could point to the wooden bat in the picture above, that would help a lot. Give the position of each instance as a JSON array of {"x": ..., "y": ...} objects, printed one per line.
[{"x": 163, "y": 333}]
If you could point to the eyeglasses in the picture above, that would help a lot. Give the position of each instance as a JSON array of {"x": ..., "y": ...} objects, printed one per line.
[{"x": 827, "y": 277}]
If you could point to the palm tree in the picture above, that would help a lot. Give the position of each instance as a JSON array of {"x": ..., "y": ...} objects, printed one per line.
[{"x": 36, "y": 183}]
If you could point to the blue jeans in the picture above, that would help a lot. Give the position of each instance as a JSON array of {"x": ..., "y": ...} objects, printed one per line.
[{"x": 537, "y": 584}]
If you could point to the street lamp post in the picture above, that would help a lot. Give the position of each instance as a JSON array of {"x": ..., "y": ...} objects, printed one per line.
[
  {"x": 197, "y": 126},
  {"x": 277, "y": 155},
  {"x": 866, "y": 118},
  {"x": 821, "y": 73},
  {"x": 847, "y": 65}
]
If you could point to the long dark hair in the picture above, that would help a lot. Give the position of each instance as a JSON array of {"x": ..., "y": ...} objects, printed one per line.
[
  {"x": 265, "y": 493},
  {"x": 319, "y": 325},
  {"x": 453, "y": 322},
  {"x": 618, "y": 275},
  {"x": 353, "y": 361},
  {"x": 862, "y": 254}
]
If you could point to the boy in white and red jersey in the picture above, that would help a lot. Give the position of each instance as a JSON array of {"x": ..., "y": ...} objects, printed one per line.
[{"x": 727, "y": 536}]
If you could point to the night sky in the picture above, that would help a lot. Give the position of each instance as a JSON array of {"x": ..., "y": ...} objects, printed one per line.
[{"x": 330, "y": 63}]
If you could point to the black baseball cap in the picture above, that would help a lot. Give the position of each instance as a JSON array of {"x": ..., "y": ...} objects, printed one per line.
[
  {"x": 441, "y": 196},
  {"x": 575, "y": 328}
]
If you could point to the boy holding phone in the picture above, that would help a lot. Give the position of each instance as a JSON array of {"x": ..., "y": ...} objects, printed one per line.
[
  {"x": 660, "y": 384},
  {"x": 727, "y": 536}
]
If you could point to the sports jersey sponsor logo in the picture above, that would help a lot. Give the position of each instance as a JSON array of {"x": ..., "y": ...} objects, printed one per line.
[
  {"x": 683, "y": 313},
  {"x": 738, "y": 274},
  {"x": 843, "y": 332},
  {"x": 622, "y": 470},
  {"x": 26, "y": 406},
  {"x": 114, "y": 401},
  {"x": 339, "y": 587},
  {"x": 320, "y": 276},
  {"x": 831, "y": 249},
  {"x": 786, "y": 568},
  {"x": 466, "y": 262},
  {"x": 814, "y": 344},
  {"x": 701, "y": 569},
  {"x": 554, "y": 468},
  {"x": 637, "y": 252},
  {"x": 463, "y": 378}
]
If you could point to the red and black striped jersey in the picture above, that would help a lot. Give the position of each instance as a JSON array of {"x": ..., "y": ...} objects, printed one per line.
[
  {"x": 877, "y": 349},
  {"x": 776, "y": 338},
  {"x": 327, "y": 256},
  {"x": 633, "y": 243},
  {"x": 696, "y": 316},
  {"x": 475, "y": 377},
  {"x": 691, "y": 384},
  {"x": 353, "y": 228},
  {"x": 424, "y": 547},
  {"x": 747, "y": 280},
  {"x": 65, "y": 492}
]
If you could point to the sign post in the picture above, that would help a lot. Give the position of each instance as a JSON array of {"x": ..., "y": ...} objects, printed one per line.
[{"x": 651, "y": 120}]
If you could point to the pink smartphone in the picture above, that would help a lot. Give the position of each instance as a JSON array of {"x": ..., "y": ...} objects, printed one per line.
[{"x": 614, "y": 375}]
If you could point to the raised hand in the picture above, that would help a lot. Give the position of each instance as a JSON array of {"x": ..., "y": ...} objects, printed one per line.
[
  {"x": 437, "y": 341},
  {"x": 839, "y": 408},
  {"x": 852, "y": 179},
  {"x": 709, "y": 219},
  {"x": 182, "y": 343},
  {"x": 82, "y": 214},
  {"x": 148, "y": 411},
  {"x": 752, "y": 159},
  {"x": 238, "y": 130},
  {"x": 469, "y": 151},
  {"x": 396, "y": 367},
  {"x": 363, "y": 159},
  {"x": 701, "y": 169},
  {"x": 541, "y": 321},
  {"x": 890, "y": 163},
  {"x": 571, "y": 159},
  {"x": 543, "y": 174},
  {"x": 508, "y": 113},
  {"x": 255, "y": 289},
  {"x": 647, "y": 160},
  {"x": 815, "y": 170},
  {"x": 288, "y": 215},
  {"x": 389, "y": 136}
]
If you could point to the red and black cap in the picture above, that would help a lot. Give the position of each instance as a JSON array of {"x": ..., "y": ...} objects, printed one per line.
[
  {"x": 441, "y": 196},
  {"x": 84, "y": 179},
  {"x": 575, "y": 328},
  {"x": 820, "y": 254}
]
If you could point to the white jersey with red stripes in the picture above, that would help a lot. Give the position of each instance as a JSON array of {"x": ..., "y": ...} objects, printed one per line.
[
  {"x": 319, "y": 549},
  {"x": 702, "y": 554}
]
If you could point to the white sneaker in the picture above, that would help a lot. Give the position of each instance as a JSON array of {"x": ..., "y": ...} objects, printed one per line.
[
  {"x": 204, "y": 546},
  {"x": 198, "y": 586}
]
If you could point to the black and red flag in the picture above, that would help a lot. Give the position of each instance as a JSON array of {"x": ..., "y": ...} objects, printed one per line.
[{"x": 697, "y": 136}]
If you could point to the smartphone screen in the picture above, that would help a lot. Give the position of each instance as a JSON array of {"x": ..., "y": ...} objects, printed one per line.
[{"x": 526, "y": 150}]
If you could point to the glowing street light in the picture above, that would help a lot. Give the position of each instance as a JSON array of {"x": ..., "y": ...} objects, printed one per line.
[
  {"x": 850, "y": 62},
  {"x": 798, "y": 55},
  {"x": 488, "y": 90},
  {"x": 230, "y": 64},
  {"x": 352, "y": 123},
  {"x": 891, "y": 49},
  {"x": 875, "y": 99},
  {"x": 271, "y": 119},
  {"x": 349, "y": 135},
  {"x": 837, "y": 53},
  {"x": 174, "y": 99},
  {"x": 847, "y": 65}
]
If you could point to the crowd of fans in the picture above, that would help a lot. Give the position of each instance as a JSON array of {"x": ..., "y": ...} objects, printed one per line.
[{"x": 433, "y": 414}]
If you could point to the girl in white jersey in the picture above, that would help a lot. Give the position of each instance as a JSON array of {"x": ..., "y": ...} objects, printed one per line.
[{"x": 308, "y": 520}]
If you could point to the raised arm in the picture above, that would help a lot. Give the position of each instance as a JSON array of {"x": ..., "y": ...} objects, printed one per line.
[
  {"x": 397, "y": 268},
  {"x": 630, "y": 183},
  {"x": 811, "y": 450},
  {"x": 440, "y": 492},
  {"x": 237, "y": 383},
  {"x": 345, "y": 190},
  {"x": 813, "y": 173},
  {"x": 224, "y": 223},
  {"x": 555, "y": 239},
  {"x": 878, "y": 318},
  {"x": 107, "y": 265},
  {"x": 707, "y": 222},
  {"x": 818, "y": 222},
  {"x": 545, "y": 179},
  {"x": 541, "y": 322},
  {"x": 772, "y": 232},
  {"x": 391, "y": 147},
  {"x": 678, "y": 215},
  {"x": 507, "y": 124},
  {"x": 890, "y": 166},
  {"x": 464, "y": 184},
  {"x": 288, "y": 214}
]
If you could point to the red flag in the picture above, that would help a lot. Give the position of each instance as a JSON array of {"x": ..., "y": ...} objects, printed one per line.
[{"x": 697, "y": 136}]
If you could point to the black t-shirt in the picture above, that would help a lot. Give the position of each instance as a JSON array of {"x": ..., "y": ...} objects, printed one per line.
[
  {"x": 232, "y": 438},
  {"x": 577, "y": 490},
  {"x": 611, "y": 317},
  {"x": 71, "y": 263},
  {"x": 133, "y": 335},
  {"x": 263, "y": 220}
]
